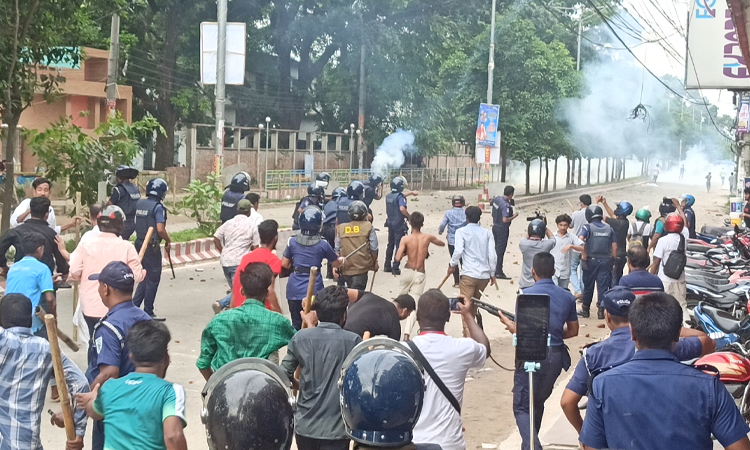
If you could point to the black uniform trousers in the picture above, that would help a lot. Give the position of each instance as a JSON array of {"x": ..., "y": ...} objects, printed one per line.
[
  {"x": 456, "y": 274},
  {"x": 395, "y": 233},
  {"x": 146, "y": 290},
  {"x": 596, "y": 271},
  {"x": 619, "y": 267},
  {"x": 329, "y": 234},
  {"x": 501, "y": 233}
]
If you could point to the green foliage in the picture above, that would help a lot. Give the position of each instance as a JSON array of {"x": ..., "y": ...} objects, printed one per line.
[
  {"x": 190, "y": 235},
  {"x": 203, "y": 203},
  {"x": 67, "y": 153}
]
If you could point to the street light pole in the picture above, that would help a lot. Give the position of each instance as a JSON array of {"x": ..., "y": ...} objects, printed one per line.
[
  {"x": 350, "y": 132},
  {"x": 491, "y": 64},
  {"x": 221, "y": 54},
  {"x": 268, "y": 130},
  {"x": 578, "y": 53},
  {"x": 260, "y": 136}
]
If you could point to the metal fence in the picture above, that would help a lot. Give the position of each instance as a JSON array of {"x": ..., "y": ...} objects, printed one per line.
[{"x": 417, "y": 179}]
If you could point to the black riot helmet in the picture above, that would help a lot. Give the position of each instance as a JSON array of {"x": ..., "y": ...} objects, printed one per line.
[
  {"x": 594, "y": 212},
  {"x": 356, "y": 190},
  {"x": 126, "y": 172},
  {"x": 458, "y": 201},
  {"x": 322, "y": 180},
  {"x": 398, "y": 184},
  {"x": 538, "y": 228},
  {"x": 248, "y": 404},
  {"x": 157, "y": 187},
  {"x": 240, "y": 182},
  {"x": 375, "y": 180},
  {"x": 357, "y": 210},
  {"x": 382, "y": 391},
  {"x": 311, "y": 220},
  {"x": 338, "y": 193},
  {"x": 314, "y": 190}
]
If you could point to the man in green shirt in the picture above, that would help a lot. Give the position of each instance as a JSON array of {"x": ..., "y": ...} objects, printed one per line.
[
  {"x": 249, "y": 331},
  {"x": 141, "y": 410}
]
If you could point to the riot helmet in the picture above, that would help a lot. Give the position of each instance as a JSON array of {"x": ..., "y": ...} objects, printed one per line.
[
  {"x": 538, "y": 228},
  {"x": 624, "y": 209},
  {"x": 126, "y": 172},
  {"x": 375, "y": 180},
  {"x": 398, "y": 184},
  {"x": 248, "y": 404},
  {"x": 157, "y": 187},
  {"x": 356, "y": 190},
  {"x": 358, "y": 210},
  {"x": 594, "y": 212},
  {"x": 315, "y": 191},
  {"x": 382, "y": 391},
  {"x": 240, "y": 182},
  {"x": 338, "y": 193},
  {"x": 458, "y": 201},
  {"x": 322, "y": 180},
  {"x": 311, "y": 220}
]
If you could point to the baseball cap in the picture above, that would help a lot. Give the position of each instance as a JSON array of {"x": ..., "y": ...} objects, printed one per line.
[
  {"x": 111, "y": 212},
  {"x": 617, "y": 301},
  {"x": 244, "y": 205},
  {"x": 116, "y": 274}
]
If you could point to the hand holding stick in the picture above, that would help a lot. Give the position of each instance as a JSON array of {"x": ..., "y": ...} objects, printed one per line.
[
  {"x": 62, "y": 387},
  {"x": 444, "y": 280},
  {"x": 144, "y": 246}
]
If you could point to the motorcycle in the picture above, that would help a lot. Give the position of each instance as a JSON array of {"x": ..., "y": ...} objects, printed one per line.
[{"x": 732, "y": 298}]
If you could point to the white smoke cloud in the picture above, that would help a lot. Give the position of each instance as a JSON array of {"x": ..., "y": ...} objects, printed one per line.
[{"x": 391, "y": 153}]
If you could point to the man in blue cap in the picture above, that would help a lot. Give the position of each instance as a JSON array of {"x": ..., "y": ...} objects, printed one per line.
[
  {"x": 108, "y": 354},
  {"x": 618, "y": 349}
]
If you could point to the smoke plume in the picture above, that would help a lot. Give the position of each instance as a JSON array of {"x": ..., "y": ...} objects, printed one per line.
[{"x": 391, "y": 153}]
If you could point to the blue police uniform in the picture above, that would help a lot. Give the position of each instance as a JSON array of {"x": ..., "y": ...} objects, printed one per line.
[
  {"x": 342, "y": 211},
  {"x": 641, "y": 282},
  {"x": 597, "y": 269},
  {"x": 126, "y": 195},
  {"x": 690, "y": 214},
  {"x": 108, "y": 348},
  {"x": 330, "y": 211},
  {"x": 617, "y": 349},
  {"x": 149, "y": 212},
  {"x": 655, "y": 402},
  {"x": 562, "y": 310},
  {"x": 229, "y": 204},
  {"x": 304, "y": 257},
  {"x": 501, "y": 207},
  {"x": 397, "y": 227}
]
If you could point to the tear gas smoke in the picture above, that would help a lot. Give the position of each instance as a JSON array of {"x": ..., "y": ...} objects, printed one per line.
[{"x": 391, "y": 153}]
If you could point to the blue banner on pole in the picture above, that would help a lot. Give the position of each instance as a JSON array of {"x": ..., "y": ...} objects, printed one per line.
[{"x": 487, "y": 125}]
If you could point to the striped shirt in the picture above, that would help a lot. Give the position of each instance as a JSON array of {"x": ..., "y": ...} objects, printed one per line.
[{"x": 454, "y": 219}]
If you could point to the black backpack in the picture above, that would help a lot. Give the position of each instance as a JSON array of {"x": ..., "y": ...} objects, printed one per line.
[{"x": 675, "y": 264}]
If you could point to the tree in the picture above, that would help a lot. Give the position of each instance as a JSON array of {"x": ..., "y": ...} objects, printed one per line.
[
  {"x": 34, "y": 35},
  {"x": 67, "y": 153}
]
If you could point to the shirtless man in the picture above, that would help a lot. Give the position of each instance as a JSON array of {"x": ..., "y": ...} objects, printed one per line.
[{"x": 415, "y": 247}]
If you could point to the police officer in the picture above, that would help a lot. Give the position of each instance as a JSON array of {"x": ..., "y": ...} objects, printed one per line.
[
  {"x": 248, "y": 404},
  {"x": 322, "y": 180},
  {"x": 397, "y": 215},
  {"x": 600, "y": 246},
  {"x": 303, "y": 251},
  {"x": 350, "y": 236},
  {"x": 563, "y": 324},
  {"x": 233, "y": 194},
  {"x": 315, "y": 197},
  {"x": 382, "y": 392},
  {"x": 151, "y": 213},
  {"x": 502, "y": 216},
  {"x": 617, "y": 349},
  {"x": 126, "y": 195},
  {"x": 330, "y": 211},
  {"x": 687, "y": 207},
  {"x": 354, "y": 192},
  {"x": 373, "y": 189}
]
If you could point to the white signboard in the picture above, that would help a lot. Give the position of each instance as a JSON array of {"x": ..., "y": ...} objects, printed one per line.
[
  {"x": 235, "y": 61},
  {"x": 481, "y": 155},
  {"x": 714, "y": 59}
]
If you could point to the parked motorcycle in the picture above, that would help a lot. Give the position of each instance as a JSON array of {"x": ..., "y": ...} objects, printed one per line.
[{"x": 732, "y": 298}]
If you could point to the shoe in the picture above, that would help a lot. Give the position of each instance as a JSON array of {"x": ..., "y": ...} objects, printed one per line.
[
  {"x": 63, "y": 285},
  {"x": 502, "y": 276},
  {"x": 216, "y": 306},
  {"x": 158, "y": 319},
  {"x": 600, "y": 313},
  {"x": 396, "y": 272},
  {"x": 584, "y": 312},
  {"x": 456, "y": 286},
  {"x": 578, "y": 296},
  {"x": 387, "y": 269}
]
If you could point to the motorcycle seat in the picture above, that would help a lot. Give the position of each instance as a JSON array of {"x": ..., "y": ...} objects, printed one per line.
[
  {"x": 713, "y": 287},
  {"x": 722, "y": 319}
]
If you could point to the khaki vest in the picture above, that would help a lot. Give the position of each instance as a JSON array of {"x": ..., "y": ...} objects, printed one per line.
[{"x": 352, "y": 235}]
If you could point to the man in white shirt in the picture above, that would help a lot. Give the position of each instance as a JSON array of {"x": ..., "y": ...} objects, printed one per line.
[
  {"x": 674, "y": 225},
  {"x": 42, "y": 188},
  {"x": 579, "y": 220},
  {"x": 94, "y": 211},
  {"x": 451, "y": 358},
  {"x": 255, "y": 216}
]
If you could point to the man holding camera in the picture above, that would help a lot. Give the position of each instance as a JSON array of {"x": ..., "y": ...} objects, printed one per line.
[{"x": 563, "y": 324}]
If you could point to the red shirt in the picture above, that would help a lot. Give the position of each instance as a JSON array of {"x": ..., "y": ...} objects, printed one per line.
[{"x": 261, "y": 254}]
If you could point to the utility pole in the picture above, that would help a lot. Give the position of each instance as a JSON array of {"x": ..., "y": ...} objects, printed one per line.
[
  {"x": 580, "y": 27},
  {"x": 114, "y": 53},
  {"x": 491, "y": 64},
  {"x": 221, "y": 56},
  {"x": 361, "y": 104}
]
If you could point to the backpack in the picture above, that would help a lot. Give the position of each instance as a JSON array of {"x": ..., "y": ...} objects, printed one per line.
[
  {"x": 637, "y": 234},
  {"x": 675, "y": 264}
]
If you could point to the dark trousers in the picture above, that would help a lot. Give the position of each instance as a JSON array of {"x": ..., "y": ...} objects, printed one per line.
[
  {"x": 128, "y": 229},
  {"x": 97, "y": 435},
  {"x": 90, "y": 323},
  {"x": 456, "y": 275},
  {"x": 356, "y": 281},
  {"x": 146, "y": 291},
  {"x": 501, "y": 234},
  {"x": 619, "y": 267},
  {"x": 596, "y": 271},
  {"x": 544, "y": 383},
  {"x": 394, "y": 240},
  {"x": 306, "y": 443},
  {"x": 329, "y": 234},
  {"x": 295, "y": 308}
]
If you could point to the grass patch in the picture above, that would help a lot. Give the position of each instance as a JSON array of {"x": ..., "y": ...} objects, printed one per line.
[{"x": 188, "y": 235}]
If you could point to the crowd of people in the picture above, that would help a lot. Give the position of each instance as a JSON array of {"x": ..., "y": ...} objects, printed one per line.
[{"x": 125, "y": 392}]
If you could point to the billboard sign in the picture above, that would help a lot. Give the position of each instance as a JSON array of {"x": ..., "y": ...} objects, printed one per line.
[
  {"x": 714, "y": 59},
  {"x": 234, "y": 72},
  {"x": 743, "y": 115},
  {"x": 487, "y": 124}
]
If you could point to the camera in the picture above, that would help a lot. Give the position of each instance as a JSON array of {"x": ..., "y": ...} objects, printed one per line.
[
  {"x": 454, "y": 301},
  {"x": 537, "y": 215}
]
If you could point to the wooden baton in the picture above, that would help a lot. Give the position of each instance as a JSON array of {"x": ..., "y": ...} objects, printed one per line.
[
  {"x": 444, "y": 280},
  {"x": 76, "y": 288},
  {"x": 144, "y": 245},
  {"x": 310, "y": 289},
  {"x": 372, "y": 282},
  {"x": 62, "y": 387}
]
